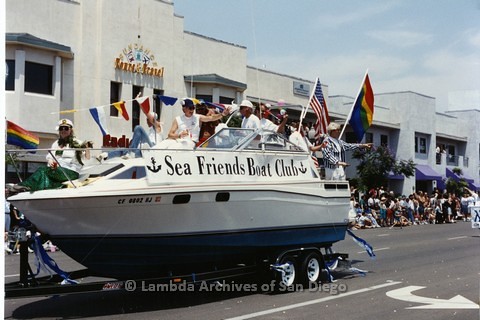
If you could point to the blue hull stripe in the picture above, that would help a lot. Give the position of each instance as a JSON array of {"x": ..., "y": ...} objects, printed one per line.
[{"x": 143, "y": 256}]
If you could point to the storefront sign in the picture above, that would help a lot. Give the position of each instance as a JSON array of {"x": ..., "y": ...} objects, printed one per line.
[
  {"x": 301, "y": 89},
  {"x": 137, "y": 59}
]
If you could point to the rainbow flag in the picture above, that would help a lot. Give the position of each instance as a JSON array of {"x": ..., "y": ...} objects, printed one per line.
[
  {"x": 362, "y": 112},
  {"x": 18, "y": 136}
]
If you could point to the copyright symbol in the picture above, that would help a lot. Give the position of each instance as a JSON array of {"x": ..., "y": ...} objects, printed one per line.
[{"x": 130, "y": 285}]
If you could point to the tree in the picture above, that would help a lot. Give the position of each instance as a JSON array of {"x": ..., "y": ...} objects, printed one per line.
[
  {"x": 375, "y": 165},
  {"x": 454, "y": 186}
]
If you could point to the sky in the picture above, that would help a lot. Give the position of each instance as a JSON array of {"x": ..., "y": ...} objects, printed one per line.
[{"x": 431, "y": 47}]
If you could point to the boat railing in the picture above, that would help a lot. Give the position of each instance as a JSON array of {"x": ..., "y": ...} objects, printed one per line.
[
  {"x": 237, "y": 139},
  {"x": 38, "y": 157}
]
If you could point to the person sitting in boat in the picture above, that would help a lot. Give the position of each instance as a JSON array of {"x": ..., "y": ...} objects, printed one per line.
[
  {"x": 301, "y": 140},
  {"x": 249, "y": 121},
  {"x": 263, "y": 112},
  {"x": 334, "y": 152},
  {"x": 64, "y": 161},
  {"x": 140, "y": 136},
  {"x": 185, "y": 130},
  {"x": 207, "y": 129}
]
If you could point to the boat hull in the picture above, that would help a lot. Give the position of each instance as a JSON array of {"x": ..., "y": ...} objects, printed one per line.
[
  {"x": 142, "y": 235},
  {"x": 139, "y": 256}
]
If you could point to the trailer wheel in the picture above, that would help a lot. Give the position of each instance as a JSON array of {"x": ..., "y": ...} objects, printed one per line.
[
  {"x": 311, "y": 269},
  {"x": 287, "y": 276}
]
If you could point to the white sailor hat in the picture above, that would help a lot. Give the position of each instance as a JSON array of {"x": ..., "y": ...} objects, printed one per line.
[{"x": 64, "y": 123}]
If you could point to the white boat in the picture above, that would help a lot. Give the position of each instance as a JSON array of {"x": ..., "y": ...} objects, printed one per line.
[{"x": 240, "y": 196}]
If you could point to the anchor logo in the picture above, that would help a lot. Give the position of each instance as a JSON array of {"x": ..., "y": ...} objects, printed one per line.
[
  {"x": 154, "y": 168},
  {"x": 302, "y": 168}
]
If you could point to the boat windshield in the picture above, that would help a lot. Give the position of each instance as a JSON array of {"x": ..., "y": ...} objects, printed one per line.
[{"x": 251, "y": 139}]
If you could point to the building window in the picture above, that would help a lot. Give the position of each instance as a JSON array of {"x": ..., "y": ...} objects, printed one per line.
[
  {"x": 10, "y": 75},
  {"x": 135, "y": 106},
  {"x": 350, "y": 137},
  {"x": 226, "y": 100},
  {"x": 420, "y": 145},
  {"x": 452, "y": 159},
  {"x": 384, "y": 140},
  {"x": 38, "y": 78},
  {"x": 157, "y": 103},
  {"x": 204, "y": 97},
  {"x": 115, "y": 91},
  {"x": 368, "y": 137}
]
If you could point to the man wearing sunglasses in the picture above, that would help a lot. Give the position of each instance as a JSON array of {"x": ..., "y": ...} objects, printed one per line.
[
  {"x": 185, "y": 130},
  {"x": 68, "y": 153}
]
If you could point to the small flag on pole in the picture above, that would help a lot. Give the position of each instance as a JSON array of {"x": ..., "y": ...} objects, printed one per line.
[
  {"x": 362, "y": 112},
  {"x": 121, "y": 109},
  {"x": 20, "y": 137},
  {"x": 98, "y": 115}
]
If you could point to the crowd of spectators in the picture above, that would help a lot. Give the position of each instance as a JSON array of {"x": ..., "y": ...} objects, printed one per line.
[{"x": 382, "y": 208}]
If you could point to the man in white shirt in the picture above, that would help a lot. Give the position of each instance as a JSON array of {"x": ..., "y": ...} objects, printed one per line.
[
  {"x": 264, "y": 113},
  {"x": 250, "y": 121}
]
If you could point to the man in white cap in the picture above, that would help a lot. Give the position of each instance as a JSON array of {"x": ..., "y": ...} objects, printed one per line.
[
  {"x": 334, "y": 152},
  {"x": 250, "y": 121}
]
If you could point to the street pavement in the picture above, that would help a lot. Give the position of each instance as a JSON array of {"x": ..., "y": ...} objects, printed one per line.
[{"x": 419, "y": 272}]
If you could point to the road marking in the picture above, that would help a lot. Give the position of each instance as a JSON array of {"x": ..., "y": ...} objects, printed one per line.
[
  {"x": 375, "y": 250},
  {"x": 462, "y": 237},
  {"x": 308, "y": 303},
  {"x": 405, "y": 294},
  {"x": 11, "y": 275},
  {"x": 383, "y": 235}
]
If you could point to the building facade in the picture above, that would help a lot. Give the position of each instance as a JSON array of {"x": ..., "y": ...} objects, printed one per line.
[{"x": 65, "y": 57}]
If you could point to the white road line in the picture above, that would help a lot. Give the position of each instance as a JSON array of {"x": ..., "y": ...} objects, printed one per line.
[
  {"x": 307, "y": 303},
  {"x": 383, "y": 235},
  {"x": 11, "y": 275},
  {"x": 375, "y": 250},
  {"x": 462, "y": 237}
]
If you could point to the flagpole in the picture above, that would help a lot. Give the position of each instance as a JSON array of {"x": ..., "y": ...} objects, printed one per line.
[
  {"x": 353, "y": 105},
  {"x": 304, "y": 111}
]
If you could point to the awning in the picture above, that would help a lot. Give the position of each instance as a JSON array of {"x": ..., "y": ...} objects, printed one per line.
[
  {"x": 424, "y": 172},
  {"x": 456, "y": 177},
  {"x": 474, "y": 186},
  {"x": 471, "y": 182},
  {"x": 393, "y": 176},
  {"x": 441, "y": 185}
]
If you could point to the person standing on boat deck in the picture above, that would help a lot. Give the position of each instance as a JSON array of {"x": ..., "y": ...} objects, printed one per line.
[
  {"x": 140, "y": 136},
  {"x": 249, "y": 121},
  {"x": 334, "y": 152},
  {"x": 185, "y": 130},
  {"x": 66, "y": 156}
]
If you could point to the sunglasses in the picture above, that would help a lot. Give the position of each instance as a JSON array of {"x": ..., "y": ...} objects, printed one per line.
[{"x": 63, "y": 128}]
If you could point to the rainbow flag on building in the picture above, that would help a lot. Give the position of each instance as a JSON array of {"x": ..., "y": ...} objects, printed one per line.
[
  {"x": 361, "y": 117},
  {"x": 18, "y": 136}
]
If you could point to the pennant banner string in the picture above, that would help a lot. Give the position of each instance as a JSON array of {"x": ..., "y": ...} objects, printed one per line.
[{"x": 165, "y": 99}]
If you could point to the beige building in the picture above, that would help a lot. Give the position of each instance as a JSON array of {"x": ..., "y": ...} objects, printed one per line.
[{"x": 65, "y": 57}]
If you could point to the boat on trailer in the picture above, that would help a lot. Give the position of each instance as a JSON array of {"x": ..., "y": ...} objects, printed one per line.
[{"x": 242, "y": 197}]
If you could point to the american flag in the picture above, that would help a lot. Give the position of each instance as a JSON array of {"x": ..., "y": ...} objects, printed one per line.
[{"x": 319, "y": 106}]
